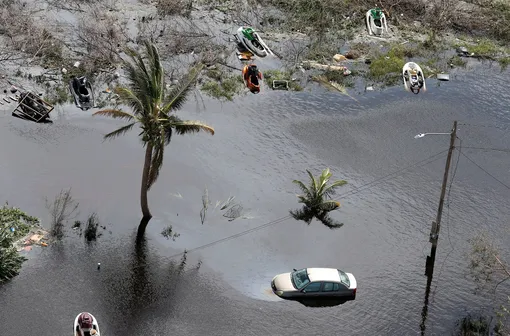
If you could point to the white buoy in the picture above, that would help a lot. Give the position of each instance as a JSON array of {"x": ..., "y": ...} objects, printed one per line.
[{"x": 98, "y": 265}]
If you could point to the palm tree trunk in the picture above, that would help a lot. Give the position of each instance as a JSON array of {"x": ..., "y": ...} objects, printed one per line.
[{"x": 144, "y": 202}]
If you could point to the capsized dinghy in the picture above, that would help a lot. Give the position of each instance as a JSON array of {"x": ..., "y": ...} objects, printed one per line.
[
  {"x": 414, "y": 79},
  {"x": 82, "y": 92},
  {"x": 376, "y": 22},
  {"x": 252, "y": 77},
  {"x": 251, "y": 41},
  {"x": 88, "y": 323}
]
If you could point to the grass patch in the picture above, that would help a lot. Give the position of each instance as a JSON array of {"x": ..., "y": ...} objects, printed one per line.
[
  {"x": 221, "y": 86},
  {"x": 504, "y": 62},
  {"x": 271, "y": 75},
  {"x": 58, "y": 95},
  {"x": 457, "y": 61},
  {"x": 338, "y": 77},
  {"x": 388, "y": 67}
]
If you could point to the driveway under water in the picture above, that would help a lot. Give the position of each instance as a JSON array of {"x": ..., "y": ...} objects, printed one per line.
[{"x": 261, "y": 144}]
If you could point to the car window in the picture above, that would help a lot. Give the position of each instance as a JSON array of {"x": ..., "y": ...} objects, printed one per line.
[
  {"x": 313, "y": 287},
  {"x": 330, "y": 287},
  {"x": 300, "y": 278},
  {"x": 344, "y": 278}
]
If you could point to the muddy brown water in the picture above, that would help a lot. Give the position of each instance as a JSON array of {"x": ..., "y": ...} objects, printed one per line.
[{"x": 261, "y": 144}]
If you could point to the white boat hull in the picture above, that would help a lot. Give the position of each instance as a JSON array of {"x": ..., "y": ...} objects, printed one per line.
[
  {"x": 373, "y": 28},
  {"x": 410, "y": 68},
  {"x": 94, "y": 325},
  {"x": 249, "y": 45}
]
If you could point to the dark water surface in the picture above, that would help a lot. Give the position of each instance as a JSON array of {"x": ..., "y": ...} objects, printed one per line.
[{"x": 261, "y": 144}]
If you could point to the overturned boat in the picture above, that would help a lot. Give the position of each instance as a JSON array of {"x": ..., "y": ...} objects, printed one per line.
[
  {"x": 414, "y": 79},
  {"x": 252, "y": 77},
  {"x": 376, "y": 22},
  {"x": 82, "y": 92},
  {"x": 251, "y": 41},
  {"x": 85, "y": 324}
]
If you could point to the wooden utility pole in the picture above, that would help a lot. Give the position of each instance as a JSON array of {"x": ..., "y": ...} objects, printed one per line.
[{"x": 434, "y": 232}]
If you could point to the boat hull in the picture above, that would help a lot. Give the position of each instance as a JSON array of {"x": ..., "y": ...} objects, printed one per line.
[
  {"x": 254, "y": 47},
  {"x": 79, "y": 98},
  {"x": 376, "y": 27},
  {"x": 412, "y": 68},
  {"x": 95, "y": 325}
]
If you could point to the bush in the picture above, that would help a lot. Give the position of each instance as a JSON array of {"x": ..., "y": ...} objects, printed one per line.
[{"x": 14, "y": 224}]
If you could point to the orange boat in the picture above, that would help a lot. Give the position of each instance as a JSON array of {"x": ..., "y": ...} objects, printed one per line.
[{"x": 252, "y": 77}]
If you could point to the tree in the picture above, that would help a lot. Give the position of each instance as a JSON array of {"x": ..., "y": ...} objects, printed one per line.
[
  {"x": 316, "y": 199},
  {"x": 489, "y": 271},
  {"x": 153, "y": 113}
]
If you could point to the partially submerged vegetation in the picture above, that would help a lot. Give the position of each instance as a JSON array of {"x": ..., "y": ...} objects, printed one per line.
[{"x": 14, "y": 225}]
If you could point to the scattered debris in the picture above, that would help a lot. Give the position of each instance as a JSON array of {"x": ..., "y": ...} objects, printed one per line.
[
  {"x": 32, "y": 107},
  {"x": 36, "y": 236},
  {"x": 169, "y": 233},
  {"x": 443, "y": 77},
  {"x": 464, "y": 52},
  {"x": 339, "y": 58},
  {"x": 315, "y": 65},
  {"x": 205, "y": 205},
  {"x": 280, "y": 85},
  {"x": 370, "y": 88}
]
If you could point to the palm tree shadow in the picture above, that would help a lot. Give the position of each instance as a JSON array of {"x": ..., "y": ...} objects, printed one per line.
[{"x": 307, "y": 215}]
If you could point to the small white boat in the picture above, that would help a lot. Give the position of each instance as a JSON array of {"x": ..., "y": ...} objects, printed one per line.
[
  {"x": 414, "y": 79},
  {"x": 94, "y": 331},
  {"x": 251, "y": 41},
  {"x": 376, "y": 22}
]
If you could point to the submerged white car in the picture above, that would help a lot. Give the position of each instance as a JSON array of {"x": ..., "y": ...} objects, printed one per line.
[{"x": 317, "y": 283}]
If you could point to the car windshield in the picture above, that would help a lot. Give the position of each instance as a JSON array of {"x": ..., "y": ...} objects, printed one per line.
[
  {"x": 344, "y": 278},
  {"x": 300, "y": 278}
]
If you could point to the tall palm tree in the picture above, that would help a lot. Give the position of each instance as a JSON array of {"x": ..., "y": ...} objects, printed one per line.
[
  {"x": 316, "y": 199},
  {"x": 152, "y": 112}
]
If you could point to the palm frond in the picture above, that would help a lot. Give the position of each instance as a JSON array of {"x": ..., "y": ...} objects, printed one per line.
[
  {"x": 303, "y": 188},
  {"x": 328, "y": 206},
  {"x": 129, "y": 98},
  {"x": 156, "y": 70},
  {"x": 190, "y": 126},
  {"x": 329, "y": 222},
  {"x": 328, "y": 191},
  {"x": 323, "y": 180},
  {"x": 121, "y": 131},
  {"x": 168, "y": 135},
  {"x": 313, "y": 183},
  {"x": 116, "y": 114},
  {"x": 156, "y": 163},
  {"x": 179, "y": 94}
]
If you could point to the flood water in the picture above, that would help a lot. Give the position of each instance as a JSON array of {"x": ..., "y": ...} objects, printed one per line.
[{"x": 261, "y": 144}]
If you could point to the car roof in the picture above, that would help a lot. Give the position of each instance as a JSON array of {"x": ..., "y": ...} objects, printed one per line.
[{"x": 323, "y": 274}]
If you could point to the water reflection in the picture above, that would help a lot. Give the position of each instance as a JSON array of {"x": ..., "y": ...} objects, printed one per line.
[
  {"x": 429, "y": 272},
  {"x": 321, "y": 303}
]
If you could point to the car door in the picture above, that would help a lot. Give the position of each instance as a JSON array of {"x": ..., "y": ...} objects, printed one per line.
[
  {"x": 330, "y": 290},
  {"x": 313, "y": 289}
]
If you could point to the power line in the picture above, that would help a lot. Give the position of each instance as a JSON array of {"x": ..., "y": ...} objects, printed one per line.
[
  {"x": 487, "y": 126},
  {"x": 393, "y": 174},
  {"x": 490, "y": 149},
  {"x": 282, "y": 219},
  {"x": 485, "y": 171}
]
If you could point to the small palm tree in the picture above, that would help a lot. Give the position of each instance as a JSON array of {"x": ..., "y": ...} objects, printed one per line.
[
  {"x": 316, "y": 199},
  {"x": 152, "y": 111}
]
